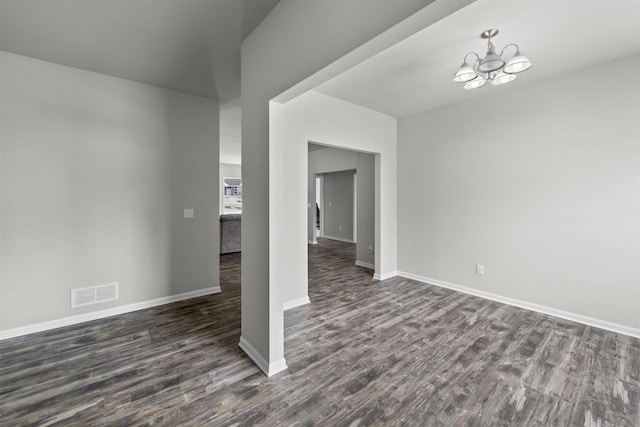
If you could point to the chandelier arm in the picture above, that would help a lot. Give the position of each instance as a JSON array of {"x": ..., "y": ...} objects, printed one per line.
[
  {"x": 471, "y": 53},
  {"x": 510, "y": 44},
  {"x": 476, "y": 64}
]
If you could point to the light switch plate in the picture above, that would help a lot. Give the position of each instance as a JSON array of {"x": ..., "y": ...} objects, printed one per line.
[{"x": 189, "y": 213}]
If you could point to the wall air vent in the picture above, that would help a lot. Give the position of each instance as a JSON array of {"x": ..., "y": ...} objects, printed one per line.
[{"x": 94, "y": 295}]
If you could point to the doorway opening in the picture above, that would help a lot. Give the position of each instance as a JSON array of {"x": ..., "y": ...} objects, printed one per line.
[
  {"x": 319, "y": 222},
  {"x": 342, "y": 199}
]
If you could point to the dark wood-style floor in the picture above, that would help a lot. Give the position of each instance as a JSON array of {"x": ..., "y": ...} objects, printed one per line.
[{"x": 396, "y": 352}]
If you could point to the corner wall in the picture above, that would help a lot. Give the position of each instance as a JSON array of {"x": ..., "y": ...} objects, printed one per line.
[
  {"x": 339, "y": 196},
  {"x": 94, "y": 175},
  {"x": 543, "y": 188}
]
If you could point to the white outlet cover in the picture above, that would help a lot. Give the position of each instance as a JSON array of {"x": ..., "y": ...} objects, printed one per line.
[
  {"x": 189, "y": 213},
  {"x": 479, "y": 269}
]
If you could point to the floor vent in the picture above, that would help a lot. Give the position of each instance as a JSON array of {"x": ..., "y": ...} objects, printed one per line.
[{"x": 94, "y": 295}]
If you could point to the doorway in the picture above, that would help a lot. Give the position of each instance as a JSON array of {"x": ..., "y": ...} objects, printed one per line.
[
  {"x": 319, "y": 221},
  {"x": 342, "y": 199}
]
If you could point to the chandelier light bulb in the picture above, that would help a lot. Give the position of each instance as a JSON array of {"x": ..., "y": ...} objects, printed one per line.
[
  {"x": 475, "y": 83},
  {"x": 517, "y": 64},
  {"x": 501, "y": 78},
  {"x": 464, "y": 74}
]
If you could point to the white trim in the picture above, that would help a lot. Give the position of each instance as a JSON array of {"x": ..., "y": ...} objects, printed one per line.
[
  {"x": 268, "y": 368},
  {"x": 385, "y": 276},
  {"x": 574, "y": 317},
  {"x": 295, "y": 303},
  {"x": 339, "y": 239},
  {"x": 313, "y": 242},
  {"x": 95, "y": 315},
  {"x": 365, "y": 264}
]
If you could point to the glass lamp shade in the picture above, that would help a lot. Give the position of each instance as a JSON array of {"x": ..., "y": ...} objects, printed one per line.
[
  {"x": 491, "y": 62},
  {"x": 517, "y": 64},
  {"x": 502, "y": 78},
  {"x": 464, "y": 74},
  {"x": 475, "y": 83}
]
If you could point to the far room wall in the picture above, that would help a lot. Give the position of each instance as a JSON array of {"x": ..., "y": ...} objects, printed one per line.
[
  {"x": 95, "y": 174},
  {"x": 540, "y": 184},
  {"x": 338, "y": 207}
]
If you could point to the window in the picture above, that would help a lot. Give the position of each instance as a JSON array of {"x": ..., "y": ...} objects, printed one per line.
[{"x": 231, "y": 195}]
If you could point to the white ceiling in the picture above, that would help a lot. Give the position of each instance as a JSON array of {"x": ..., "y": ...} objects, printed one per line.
[
  {"x": 192, "y": 46},
  {"x": 557, "y": 36}
]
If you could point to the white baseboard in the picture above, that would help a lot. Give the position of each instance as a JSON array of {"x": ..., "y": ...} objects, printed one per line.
[
  {"x": 268, "y": 368},
  {"x": 365, "y": 265},
  {"x": 385, "y": 276},
  {"x": 579, "y": 318},
  {"x": 339, "y": 239},
  {"x": 95, "y": 315},
  {"x": 311, "y": 242},
  {"x": 295, "y": 303}
]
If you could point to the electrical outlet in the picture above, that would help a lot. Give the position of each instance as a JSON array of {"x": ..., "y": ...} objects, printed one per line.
[
  {"x": 479, "y": 269},
  {"x": 340, "y": 228},
  {"x": 370, "y": 249},
  {"x": 189, "y": 213}
]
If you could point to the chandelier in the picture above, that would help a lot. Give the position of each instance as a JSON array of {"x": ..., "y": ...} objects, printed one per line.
[{"x": 492, "y": 67}]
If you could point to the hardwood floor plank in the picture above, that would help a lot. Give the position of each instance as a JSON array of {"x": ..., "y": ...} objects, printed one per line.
[{"x": 364, "y": 352}]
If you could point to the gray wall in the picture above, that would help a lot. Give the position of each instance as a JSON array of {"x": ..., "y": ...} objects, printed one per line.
[
  {"x": 338, "y": 205},
  {"x": 94, "y": 175},
  {"x": 542, "y": 187},
  {"x": 366, "y": 208}
]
